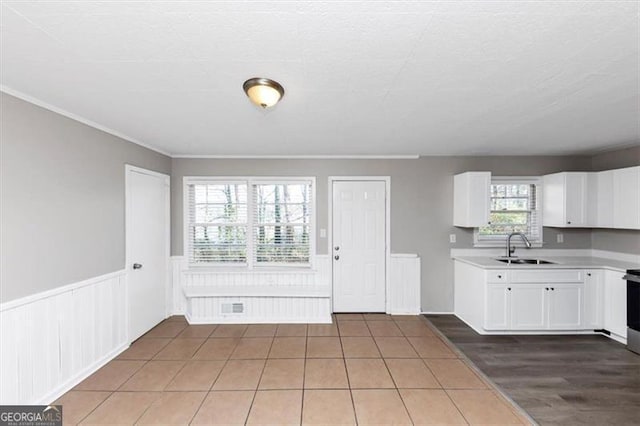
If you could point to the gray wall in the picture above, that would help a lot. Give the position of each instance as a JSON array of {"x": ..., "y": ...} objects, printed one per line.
[
  {"x": 625, "y": 241},
  {"x": 62, "y": 198},
  {"x": 421, "y": 202}
]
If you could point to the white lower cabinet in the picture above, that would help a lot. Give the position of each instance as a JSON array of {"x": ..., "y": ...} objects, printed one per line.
[
  {"x": 565, "y": 306},
  {"x": 534, "y": 306},
  {"x": 497, "y": 307},
  {"x": 593, "y": 299},
  {"x": 538, "y": 300},
  {"x": 528, "y": 306},
  {"x": 615, "y": 303}
]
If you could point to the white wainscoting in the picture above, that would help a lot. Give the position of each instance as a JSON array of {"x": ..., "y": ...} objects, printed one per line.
[
  {"x": 52, "y": 340},
  {"x": 268, "y": 296},
  {"x": 280, "y": 296},
  {"x": 403, "y": 295}
]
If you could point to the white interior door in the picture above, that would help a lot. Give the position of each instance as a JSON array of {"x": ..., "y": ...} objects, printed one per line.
[
  {"x": 147, "y": 249},
  {"x": 359, "y": 246}
]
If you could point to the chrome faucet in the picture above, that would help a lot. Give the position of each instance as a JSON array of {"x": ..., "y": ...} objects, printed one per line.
[{"x": 511, "y": 250}]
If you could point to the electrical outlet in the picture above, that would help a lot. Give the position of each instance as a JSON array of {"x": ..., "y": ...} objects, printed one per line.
[
  {"x": 452, "y": 238},
  {"x": 560, "y": 238},
  {"x": 323, "y": 233}
]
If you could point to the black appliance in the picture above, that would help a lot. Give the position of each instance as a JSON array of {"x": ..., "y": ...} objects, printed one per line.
[{"x": 633, "y": 309}]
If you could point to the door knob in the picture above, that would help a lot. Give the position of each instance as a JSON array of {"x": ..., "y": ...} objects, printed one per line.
[
  {"x": 336, "y": 257},
  {"x": 336, "y": 248},
  {"x": 137, "y": 266}
]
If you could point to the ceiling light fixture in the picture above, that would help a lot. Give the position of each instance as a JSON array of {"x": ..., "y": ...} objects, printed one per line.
[{"x": 263, "y": 92}]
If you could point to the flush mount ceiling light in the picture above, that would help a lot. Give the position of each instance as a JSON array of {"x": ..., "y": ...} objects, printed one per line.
[{"x": 263, "y": 91}]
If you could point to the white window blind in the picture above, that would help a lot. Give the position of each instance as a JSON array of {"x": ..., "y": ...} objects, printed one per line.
[
  {"x": 253, "y": 222},
  {"x": 217, "y": 230},
  {"x": 514, "y": 208},
  {"x": 281, "y": 222}
]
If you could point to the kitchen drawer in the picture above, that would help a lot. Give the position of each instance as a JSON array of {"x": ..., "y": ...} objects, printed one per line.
[
  {"x": 496, "y": 276},
  {"x": 547, "y": 276}
]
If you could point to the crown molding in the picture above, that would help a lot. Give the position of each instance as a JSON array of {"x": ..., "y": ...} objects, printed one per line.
[
  {"x": 78, "y": 118},
  {"x": 300, "y": 157}
]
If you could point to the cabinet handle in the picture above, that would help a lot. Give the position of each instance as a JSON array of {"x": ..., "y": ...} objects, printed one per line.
[
  {"x": 499, "y": 276},
  {"x": 546, "y": 288},
  {"x": 588, "y": 274},
  {"x": 552, "y": 289},
  {"x": 568, "y": 222},
  {"x": 509, "y": 288}
]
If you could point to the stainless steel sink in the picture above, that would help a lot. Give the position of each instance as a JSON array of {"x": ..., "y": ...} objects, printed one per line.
[{"x": 518, "y": 261}]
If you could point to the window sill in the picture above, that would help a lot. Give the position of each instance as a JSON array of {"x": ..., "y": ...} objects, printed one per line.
[
  {"x": 502, "y": 244},
  {"x": 205, "y": 269}
]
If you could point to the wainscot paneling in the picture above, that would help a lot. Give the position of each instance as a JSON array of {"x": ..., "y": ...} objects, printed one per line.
[
  {"x": 279, "y": 296},
  {"x": 267, "y": 296},
  {"x": 51, "y": 341},
  {"x": 404, "y": 288}
]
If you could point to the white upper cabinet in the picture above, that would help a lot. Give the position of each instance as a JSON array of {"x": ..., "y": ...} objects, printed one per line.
[
  {"x": 471, "y": 199},
  {"x": 615, "y": 198},
  {"x": 603, "y": 197},
  {"x": 626, "y": 198},
  {"x": 565, "y": 200}
]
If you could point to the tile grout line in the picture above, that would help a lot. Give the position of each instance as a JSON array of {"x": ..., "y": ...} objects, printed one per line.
[
  {"x": 346, "y": 373},
  {"x": 384, "y": 361},
  {"x": 442, "y": 388},
  {"x": 213, "y": 382},
  {"x": 128, "y": 378},
  {"x": 304, "y": 376},
  {"x": 255, "y": 393},
  {"x": 184, "y": 363},
  {"x": 472, "y": 366}
]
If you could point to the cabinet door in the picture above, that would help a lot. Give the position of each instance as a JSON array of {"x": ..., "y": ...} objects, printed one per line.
[
  {"x": 471, "y": 199},
  {"x": 553, "y": 200},
  {"x": 604, "y": 196},
  {"x": 615, "y": 303},
  {"x": 575, "y": 199},
  {"x": 593, "y": 300},
  {"x": 497, "y": 307},
  {"x": 527, "y": 307},
  {"x": 626, "y": 198},
  {"x": 565, "y": 306}
]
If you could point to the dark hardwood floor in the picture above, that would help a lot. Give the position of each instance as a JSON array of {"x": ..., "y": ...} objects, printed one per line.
[{"x": 587, "y": 379}]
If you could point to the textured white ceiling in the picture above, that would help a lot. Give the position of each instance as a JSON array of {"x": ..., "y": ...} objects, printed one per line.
[{"x": 377, "y": 78}]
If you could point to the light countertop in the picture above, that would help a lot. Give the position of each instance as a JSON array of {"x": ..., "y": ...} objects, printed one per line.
[{"x": 560, "y": 262}]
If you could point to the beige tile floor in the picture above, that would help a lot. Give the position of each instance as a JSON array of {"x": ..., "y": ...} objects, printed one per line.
[{"x": 363, "y": 369}]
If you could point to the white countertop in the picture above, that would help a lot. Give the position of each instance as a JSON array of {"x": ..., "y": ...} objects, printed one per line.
[{"x": 559, "y": 262}]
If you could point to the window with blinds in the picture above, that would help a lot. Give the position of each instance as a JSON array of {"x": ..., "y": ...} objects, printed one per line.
[
  {"x": 281, "y": 222},
  {"x": 253, "y": 222},
  {"x": 514, "y": 208},
  {"x": 217, "y": 222}
]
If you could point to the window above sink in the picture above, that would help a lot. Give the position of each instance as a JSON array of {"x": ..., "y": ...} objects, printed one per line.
[{"x": 514, "y": 207}]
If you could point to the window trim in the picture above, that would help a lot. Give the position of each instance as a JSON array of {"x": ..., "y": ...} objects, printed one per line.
[
  {"x": 526, "y": 180},
  {"x": 250, "y": 265}
]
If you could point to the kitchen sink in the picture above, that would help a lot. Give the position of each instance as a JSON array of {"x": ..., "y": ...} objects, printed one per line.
[{"x": 518, "y": 261}]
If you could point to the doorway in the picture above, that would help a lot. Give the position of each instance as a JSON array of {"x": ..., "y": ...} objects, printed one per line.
[
  {"x": 147, "y": 248},
  {"x": 359, "y": 243}
]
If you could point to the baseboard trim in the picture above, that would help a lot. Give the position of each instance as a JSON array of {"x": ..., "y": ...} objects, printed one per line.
[
  {"x": 436, "y": 313},
  {"x": 71, "y": 383}
]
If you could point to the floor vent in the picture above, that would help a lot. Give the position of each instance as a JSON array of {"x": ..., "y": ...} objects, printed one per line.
[{"x": 232, "y": 308}]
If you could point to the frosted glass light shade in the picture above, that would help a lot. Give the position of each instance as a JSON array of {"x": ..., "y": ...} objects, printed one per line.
[{"x": 263, "y": 91}]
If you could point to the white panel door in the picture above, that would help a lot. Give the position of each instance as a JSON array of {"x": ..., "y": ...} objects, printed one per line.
[
  {"x": 626, "y": 198},
  {"x": 359, "y": 246},
  {"x": 565, "y": 306},
  {"x": 528, "y": 307},
  {"x": 497, "y": 307},
  {"x": 615, "y": 303},
  {"x": 147, "y": 238}
]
